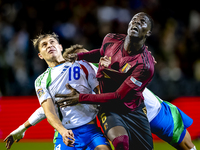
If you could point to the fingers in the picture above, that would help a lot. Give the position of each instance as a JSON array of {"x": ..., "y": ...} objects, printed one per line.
[
  {"x": 68, "y": 138},
  {"x": 67, "y": 101},
  {"x": 8, "y": 145},
  {"x": 71, "y": 134},
  {"x": 60, "y": 95},
  {"x": 64, "y": 103},
  {"x": 69, "y": 142},
  {"x": 105, "y": 61},
  {"x": 68, "y": 86},
  {"x": 5, "y": 140},
  {"x": 9, "y": 141}
]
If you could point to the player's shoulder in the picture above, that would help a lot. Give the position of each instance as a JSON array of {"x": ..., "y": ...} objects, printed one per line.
[
  {"x": 82, "y": 62},
  {"x": 115, "y": 36},
  {"x": 41, "y": 77},
  {"x": 86, "y": 64},
  {"x": 148, "y": 55}
]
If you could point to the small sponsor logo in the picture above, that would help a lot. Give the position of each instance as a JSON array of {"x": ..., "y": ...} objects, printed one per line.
[{"x": 136, "y": 82}]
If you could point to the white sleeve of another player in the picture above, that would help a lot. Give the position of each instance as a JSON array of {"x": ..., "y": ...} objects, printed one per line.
[{"x": 37, "y": 116}]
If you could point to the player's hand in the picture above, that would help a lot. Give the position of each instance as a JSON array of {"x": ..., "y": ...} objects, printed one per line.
[
  {"x": 105, "y": 61},
  {"x": 9, "y": 141},
  {"x": 68, "y": 99},
  {"x": 68, "y": 138},
  {"x": 15, "y": 136},
  {"x": 70, "y": 57}
]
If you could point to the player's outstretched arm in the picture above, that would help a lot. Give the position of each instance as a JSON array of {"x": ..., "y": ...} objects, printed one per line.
[{"x": 18, "y": 134}]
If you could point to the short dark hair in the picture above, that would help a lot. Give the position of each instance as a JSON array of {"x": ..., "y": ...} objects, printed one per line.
[{"x": 37, "y": 40}]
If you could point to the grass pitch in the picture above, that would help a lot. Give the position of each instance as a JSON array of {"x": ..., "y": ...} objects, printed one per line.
[{"x": 48, "y": 145}]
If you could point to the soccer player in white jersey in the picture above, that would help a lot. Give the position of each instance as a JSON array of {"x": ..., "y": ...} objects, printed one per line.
[
  {"x": 68, "y": 121},
  {"x": 155, "y": 108}
]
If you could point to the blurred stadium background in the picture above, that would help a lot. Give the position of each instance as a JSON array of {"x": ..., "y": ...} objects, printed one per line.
[{"x": 175, "y": 44}]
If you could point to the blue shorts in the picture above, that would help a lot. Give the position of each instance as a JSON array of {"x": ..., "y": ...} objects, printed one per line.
[
  {"x": 87, "y": 137},
  {"x": 170, "y": 124}
]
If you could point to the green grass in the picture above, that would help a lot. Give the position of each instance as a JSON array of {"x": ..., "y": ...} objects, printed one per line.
[{"x": 49, "y": 145}]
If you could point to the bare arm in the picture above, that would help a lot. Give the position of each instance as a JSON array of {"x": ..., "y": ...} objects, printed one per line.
[
  {"x": 17, "y": 134},
  {"x": 53, "y": 119}
]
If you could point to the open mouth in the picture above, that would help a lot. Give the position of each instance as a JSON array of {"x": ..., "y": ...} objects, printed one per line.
[
  {"x": 51, "y": 51},
  {"x": 135, "y": 29}
]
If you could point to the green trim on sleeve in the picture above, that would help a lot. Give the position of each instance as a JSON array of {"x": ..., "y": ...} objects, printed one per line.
[
  {"x": 178, "y": 123},
  {"x": 96, "y": 64},
  {"x": 48, "y": 82}
]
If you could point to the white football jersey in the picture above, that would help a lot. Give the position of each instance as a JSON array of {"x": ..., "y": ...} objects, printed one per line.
[
  {"x": 81, "y": 76},
  {"x": 152, "y": 103}
]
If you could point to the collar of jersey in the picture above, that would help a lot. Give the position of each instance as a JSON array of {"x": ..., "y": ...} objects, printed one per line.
[{"x": 57, "y": 65}]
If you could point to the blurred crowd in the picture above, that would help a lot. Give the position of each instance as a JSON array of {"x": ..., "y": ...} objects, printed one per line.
[{"x": 175, "y": 42}]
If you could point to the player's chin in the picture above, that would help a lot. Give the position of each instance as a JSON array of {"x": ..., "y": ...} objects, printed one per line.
[{"x": 134, "y": 35}]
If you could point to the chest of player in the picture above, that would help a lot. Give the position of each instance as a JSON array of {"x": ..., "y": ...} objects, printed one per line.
[
  {"x": 64, "y": 74},
  {"x": 123, "y": 63}
]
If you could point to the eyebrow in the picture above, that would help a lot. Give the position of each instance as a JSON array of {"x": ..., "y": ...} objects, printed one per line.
[{"x": 50, "y": 39}]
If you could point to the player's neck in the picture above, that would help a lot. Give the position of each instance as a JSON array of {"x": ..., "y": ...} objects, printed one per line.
[
  {"x": 55, "y": 62},
  {"x": 133, "y": 44}
]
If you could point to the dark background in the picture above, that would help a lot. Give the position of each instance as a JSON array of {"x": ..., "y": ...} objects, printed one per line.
[{"x": 175, "y": 42}]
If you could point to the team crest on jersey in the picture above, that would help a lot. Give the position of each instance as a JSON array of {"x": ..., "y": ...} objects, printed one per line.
[
  {"x": 40, "y": 92},
  {"x": 126, "y": 68}
]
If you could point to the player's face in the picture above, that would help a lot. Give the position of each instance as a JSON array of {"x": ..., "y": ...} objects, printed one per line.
[
  {"x": 139, "y": 26},
  {"x": 49, "y": 49}
]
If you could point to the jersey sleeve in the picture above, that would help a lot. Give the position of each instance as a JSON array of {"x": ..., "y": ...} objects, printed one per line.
[
  {"x": 139, "y": 78},
  {"x": 41, "y": 91},
  {"x": 94, "y": 55},
  {"x": 37, "y": 116},
  {"x": 91, "y": 56},
  {"x": 131, "y": 88}
]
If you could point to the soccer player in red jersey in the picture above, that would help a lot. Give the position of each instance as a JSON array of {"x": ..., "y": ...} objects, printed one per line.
[{"x": 125, "y": 69}]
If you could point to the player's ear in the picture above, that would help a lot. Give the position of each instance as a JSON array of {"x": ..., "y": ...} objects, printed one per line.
[
  {"x": 40, "y": 56},
  {"x": 148, "y": 33},
  {"x": 61, "y": 48}
]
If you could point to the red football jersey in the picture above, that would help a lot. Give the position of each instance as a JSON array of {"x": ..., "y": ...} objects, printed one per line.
[{"x": 127, "y": 76}]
